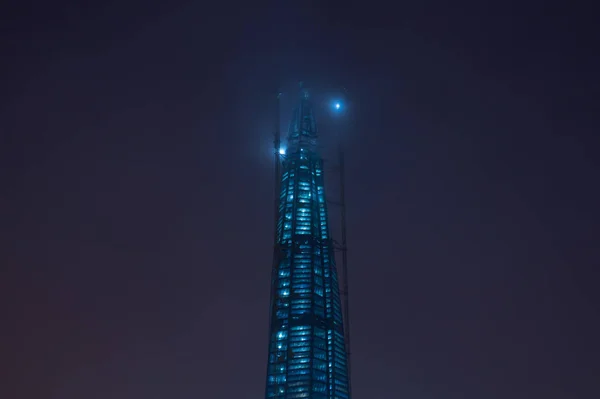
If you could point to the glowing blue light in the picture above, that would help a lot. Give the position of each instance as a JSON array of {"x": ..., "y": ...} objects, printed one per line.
[
  {"x": 337, "y": 106},
  {"x": 282, "y": 151}
]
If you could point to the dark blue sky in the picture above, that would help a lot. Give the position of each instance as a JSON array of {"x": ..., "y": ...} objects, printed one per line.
[{"x": 136, "y": 204}]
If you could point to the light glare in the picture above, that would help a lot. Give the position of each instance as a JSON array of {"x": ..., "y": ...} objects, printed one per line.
[{"x": 282, "y": 151}]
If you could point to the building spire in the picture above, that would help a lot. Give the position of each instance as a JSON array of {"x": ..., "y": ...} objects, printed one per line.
[
  {"x": 304, "y": 93},
  {"x": 302, "y": 133}
]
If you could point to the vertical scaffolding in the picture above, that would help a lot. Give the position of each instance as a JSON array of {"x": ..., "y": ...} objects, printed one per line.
[
  {"x": 344, "y": 250},
  {"x": 277, "y": 149},
  {"x": 276, "y": 247}
]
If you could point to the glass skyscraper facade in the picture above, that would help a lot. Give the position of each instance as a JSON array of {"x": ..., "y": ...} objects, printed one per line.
[{"x": 307, "y": 353}]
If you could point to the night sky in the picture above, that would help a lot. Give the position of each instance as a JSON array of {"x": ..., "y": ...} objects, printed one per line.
[{"x": 137, "y": 191}]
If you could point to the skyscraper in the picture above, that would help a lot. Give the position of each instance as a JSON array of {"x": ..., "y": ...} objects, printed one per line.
[{"x": 307, "y": 350}]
